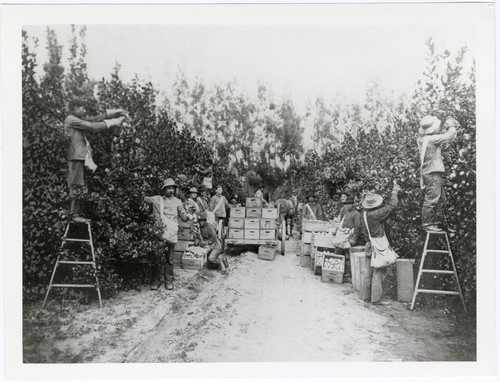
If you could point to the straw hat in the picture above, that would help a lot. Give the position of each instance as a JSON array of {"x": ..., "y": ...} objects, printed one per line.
[
  {"x": 193, "y": 190},
  {"x": 372, "y": 201},
  {"x": 429, "y": 124}
]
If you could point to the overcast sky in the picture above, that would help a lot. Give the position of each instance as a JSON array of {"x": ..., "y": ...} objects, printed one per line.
[{"x": 298, "y": 61}]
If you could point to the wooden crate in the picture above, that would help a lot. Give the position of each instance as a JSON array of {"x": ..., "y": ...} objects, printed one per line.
[
  {"x": 182, "y": 224},
  {"x": 270, "y": 213},
  {"x": 335, "y": 277},
  {"x": 253, "y": 202},
  {"x": 181, "y": 245},
  {"x": 307, "y": 237},
  {"x": 185, "y": 233},
  {"x": 358, "y": 258},
  {"x": 194, "y": 263},
  {"x": 305, "y": 260},
  {"x": 329, "y": 275},
  {"x": 178, "y": 257},
  {"x": 235, "y": 233},
  {"x": 315, "y": 225},
  {"x": 305, "y": 249},
  {"x": 267, "y": 223},
  {"x": 319, "y": 258},
  {"x": 267, "y": 234},
  {"x": 267, "y": 252},
  {"x": 251, "y": 234},
  {"x": 321, "y": 240},
  {"x": 237, "y": 223},
  {"x": 237, "y": 212},
  {"x": 252, "y": 223},
  {"x": 254, "y": 212}
]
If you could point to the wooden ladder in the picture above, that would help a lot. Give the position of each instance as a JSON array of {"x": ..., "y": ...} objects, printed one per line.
[
  {"x": 422, "y": 270},
  {"x": 87, "y": 240}
]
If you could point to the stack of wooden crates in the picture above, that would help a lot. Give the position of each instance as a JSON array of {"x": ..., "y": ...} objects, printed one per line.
[
  {"x": 309, "y": 227},
  {"x": 253, "y": 223}
]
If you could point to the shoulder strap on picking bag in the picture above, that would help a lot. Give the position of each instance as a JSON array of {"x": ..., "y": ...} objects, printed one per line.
[
  {"x": 367, "y": 228},
  {"x": 311, "y": 211},
  {"x": 200, "y": 202},
  {"x": 425, "y": 142},
  {"x": 218, "y": 204}
]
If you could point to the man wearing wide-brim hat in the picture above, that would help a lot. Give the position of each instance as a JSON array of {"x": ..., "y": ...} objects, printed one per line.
[
  {"x": 167, "y": 209},
  {"x": 432, "y": 137},
  {"x": 374, "y": 214}
]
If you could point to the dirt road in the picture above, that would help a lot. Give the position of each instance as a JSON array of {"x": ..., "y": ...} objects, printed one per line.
[{"x": 264, "y": 311}]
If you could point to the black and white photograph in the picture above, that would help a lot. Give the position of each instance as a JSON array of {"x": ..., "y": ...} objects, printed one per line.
[{"x": 295, "y": 188}]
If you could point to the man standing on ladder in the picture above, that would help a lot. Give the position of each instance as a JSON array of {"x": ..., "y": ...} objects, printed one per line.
[
  {"x": 432, "y": 137},
  {"x": 167, "y": 209},
  {"x": 76, "y": 125}
]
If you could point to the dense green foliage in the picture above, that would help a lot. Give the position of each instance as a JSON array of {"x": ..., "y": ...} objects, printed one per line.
[
  {"x": 358, "y": 146},
  {"x": 132, "y": 161},
  {"x": 370, "y": 158}
]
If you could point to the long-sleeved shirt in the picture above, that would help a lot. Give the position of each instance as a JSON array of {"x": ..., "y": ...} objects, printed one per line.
[
  {"x": 377, "y": 217},
  {"x": 433, "y": 157},
  {"x": 220, "y": 212},
  {"x": 352, "y": 219},
  {"x": 75, "y": 129},
  {"x": 316, "y": 209}
]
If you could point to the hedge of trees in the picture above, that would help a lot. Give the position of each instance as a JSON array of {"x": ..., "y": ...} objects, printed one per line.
[
  {"x": 359, "y": 146},
  {"x": 132, "y": 160},
  {"x": 381, "y": 146}
]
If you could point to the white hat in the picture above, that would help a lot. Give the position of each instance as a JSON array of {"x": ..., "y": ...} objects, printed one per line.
[{"x": 429, "y": 124}]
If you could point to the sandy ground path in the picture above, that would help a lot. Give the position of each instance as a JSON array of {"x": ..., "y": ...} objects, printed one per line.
[{"x": 263, "y": 311}]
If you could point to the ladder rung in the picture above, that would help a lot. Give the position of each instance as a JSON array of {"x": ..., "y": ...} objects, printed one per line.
[
  {"x": 438, "y": 271},
  {"x": 437, "y": 291},
  {"x": 436, "y": 251},
  {"x": 75, "y": 262},
  {"x": 73, "y": 285},
  {"x": 69, "y": 239}
]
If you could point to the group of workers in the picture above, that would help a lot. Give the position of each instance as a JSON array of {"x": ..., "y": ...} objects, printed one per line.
[{"x": 204, "y": 211}]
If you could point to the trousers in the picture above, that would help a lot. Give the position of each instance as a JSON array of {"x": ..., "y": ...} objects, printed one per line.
[
  {"x": 162, "y": 264},
  {"x": 434, "y": 199},
  {"x": 76, "y": 184},
  {"x": 372, "y": 282}
]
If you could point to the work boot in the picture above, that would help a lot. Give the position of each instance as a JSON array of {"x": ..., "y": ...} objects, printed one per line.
[
  {"x": 154, "y": 286},
  {"x": 169, "y": 285}
]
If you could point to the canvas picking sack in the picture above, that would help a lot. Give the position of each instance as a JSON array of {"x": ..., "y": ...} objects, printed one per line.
[
  {"x": 89, "y": 163},
  {"x": 382, "y": 253},
  {"x": 342, "y": 237},
  {"x": 211, "y": 214}
]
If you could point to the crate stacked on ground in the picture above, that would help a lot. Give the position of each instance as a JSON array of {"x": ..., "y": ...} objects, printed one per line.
[
  {"x": 321, "y": 241},
  {"x": 309, "y": 227},
  {"x": 253, "y": 225},
  {"x": 194, "y": 258},
  {"x": 185, "y": 236},
  {"x": 333, "y": 268}
]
